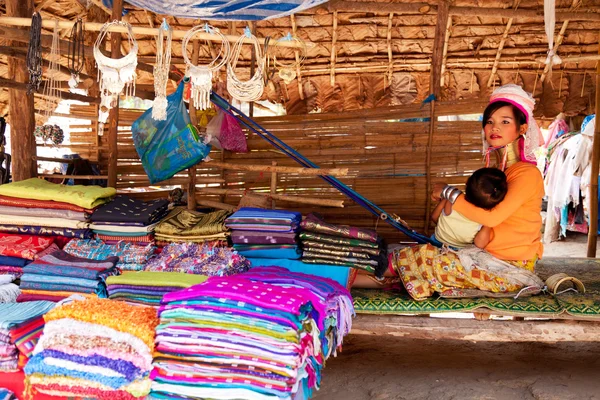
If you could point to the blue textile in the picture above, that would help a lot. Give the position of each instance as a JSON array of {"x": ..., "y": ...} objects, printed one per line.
[
  {"x": 13, "y": 261},
  {"x": 16, "y": 313},
  {"x": 290, "y": 254},
  {"x": 340, "y": 275}
]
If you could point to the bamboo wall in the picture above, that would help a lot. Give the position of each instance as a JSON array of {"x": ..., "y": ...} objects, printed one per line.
[{"x": 385, "y": 158}]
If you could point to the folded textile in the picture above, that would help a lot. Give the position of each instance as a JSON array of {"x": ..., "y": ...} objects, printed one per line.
[
  {"x": 40, "y": 189},
  {"x": 134, "y": 239},
  {"x": 13, "y": 261},
  {"x": 21, "y": 220},
  {"x": 6, "y": 394},
  {"x": 315, "y": 245},
  {"x": 126, "y": 209},
  {"x": 122, "y": 229},
  {"x": 23, "y": 246},
  {"x": 152, "y": 279},
  {"x": 31, "y": 203},
  {"x": 128, "y": 253},
  {"x": 197, "y": 239},
  {"x": 184, "y": 223},
  {"x": 341, "y": 263},
  {"x": 281, "y": 228},
  {"x": 287, "y": 251},
  {"x": 9, "y": 270},
  {"x": 252, "y": 237},
  {"x": 25, "y": 336},
  {"x": 9, "y": 292},
  {"x": 44, "y": 212},
  {"x": 46, "y": 231},
  {"x": 312, "y": 223},
  {"x": 13, "y": 314},
  {"x": 248, "y": 215},
  {"x": 335, "y": 240}
]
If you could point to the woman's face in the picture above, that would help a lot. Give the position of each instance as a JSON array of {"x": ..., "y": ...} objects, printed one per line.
[{"x": 501, "y": 127}]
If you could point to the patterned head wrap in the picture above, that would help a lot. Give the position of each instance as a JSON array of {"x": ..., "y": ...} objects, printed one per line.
[{"x": 515, "y": 95}]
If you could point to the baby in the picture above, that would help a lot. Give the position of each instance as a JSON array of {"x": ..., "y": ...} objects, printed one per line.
[{"x": 486, "y": 188}]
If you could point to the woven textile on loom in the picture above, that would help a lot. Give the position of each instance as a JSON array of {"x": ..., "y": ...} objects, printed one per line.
[
  {"x": 19, "y": 331},
  {"x": 260, "y": 335},
  {"x": 58, "y": 275},
  {"x": 192, "y": 226},
  {"x": 198, "y": 258},
  {"x": 262, "y": 233},
  {"x": 94, "y": 348},
  {"x": 343, "y": 246},
  {"x": 148, "y": 288},
  {"x": 131, "y": 256}
]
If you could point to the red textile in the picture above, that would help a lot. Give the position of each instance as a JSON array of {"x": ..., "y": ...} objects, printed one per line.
[
  {"x": 23, "y": 246},
  {"x": 88, "y": 392},
  {"x": 14, "y": 381},
  {"x": 30, "y": 203},
  {"x": 24, "y": 297}
]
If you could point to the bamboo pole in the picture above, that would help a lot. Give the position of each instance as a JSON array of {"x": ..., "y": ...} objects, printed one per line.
[
  {"x": 6, "y": 83},
  {"x": 140, "y": 30},
  {"x": 337, "y": 172},
  {"x": 501, "y": 46},
  {"x": 593, "y": 228},
  {"x": 273, "y": 183},
  {"x": 334, "y": 36},
  {"x": 557, "y": 43},
  {"x": 113, "y": 116},
  {"x": 83, "y": 177},
  {"x": 297, "y": 57},
  {"x": 282, "y": 197},
  {"x": 191, "y": 185},
  {"x": 216, "y": 204}
]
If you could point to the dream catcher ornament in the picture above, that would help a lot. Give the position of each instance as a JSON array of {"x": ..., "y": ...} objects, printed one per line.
[
  {"x": 161, "y": 71},
  {"x": 253, "y": 88},
  {"x": 115, "y": 74},
  {"x": 287, "y": 71},
  {"x": 201, "y": 76}
]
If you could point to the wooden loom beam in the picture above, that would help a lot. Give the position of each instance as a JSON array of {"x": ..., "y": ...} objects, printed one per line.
[
  {"x": 593, "y": 193},
  {"x": 113, "y": 117}
]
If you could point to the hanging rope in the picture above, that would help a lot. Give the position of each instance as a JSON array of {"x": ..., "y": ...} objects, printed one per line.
[
  {"x": 75, "y": 55},
  {"x": 253, "y": 88},
  {"x": 549, "y": 23},
  {"x": 51, "y": 92},
  {"x": 34, "y": 54},
  {"x": 287, "y": 71},
  {"x": 201, "y": 75},
  {"x": 161, "y": 71}
]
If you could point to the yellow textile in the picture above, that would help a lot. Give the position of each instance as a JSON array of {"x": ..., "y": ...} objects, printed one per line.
[
  {"x": 56, "y": 293},
  {"x": 425, "y": 269},
  {"x": 39, "y": 189},
  {"x": 456, "y": 230},
  {"x": 182, "y": 222},
  {"x": 137, "y": 321}
]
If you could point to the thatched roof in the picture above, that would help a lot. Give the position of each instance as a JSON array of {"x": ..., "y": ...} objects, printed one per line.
[{"x": 381, "y": 57}]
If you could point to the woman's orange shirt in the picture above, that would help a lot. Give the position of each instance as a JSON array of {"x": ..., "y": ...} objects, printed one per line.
[{"x": 517, "y": 221}]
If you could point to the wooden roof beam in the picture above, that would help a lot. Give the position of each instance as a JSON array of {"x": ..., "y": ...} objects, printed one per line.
[
  {"x": 6, "y": 83},
  {"x": 389, "y": 46},
  {"x": 501, "y": 46},
  {"x": 297, "y": 57},
  {"x": 333, "y": 49},
  {"x": 384, "y": 8}
]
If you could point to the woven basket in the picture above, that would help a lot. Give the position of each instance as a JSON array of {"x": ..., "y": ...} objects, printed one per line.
[{"x": 555, "y": 281}]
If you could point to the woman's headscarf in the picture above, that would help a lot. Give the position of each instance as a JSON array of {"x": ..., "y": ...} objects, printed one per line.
[{"x": 532, "y": 139}]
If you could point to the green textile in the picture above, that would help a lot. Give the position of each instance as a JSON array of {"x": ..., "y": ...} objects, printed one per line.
[
  {"x": 148, "y": 278},
  {"x": 39, "y": 189},
  {"x": 183, "y": 222}
]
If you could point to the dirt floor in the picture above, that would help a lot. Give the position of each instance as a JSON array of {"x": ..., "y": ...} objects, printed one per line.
[{"x": 375, "y": 368}]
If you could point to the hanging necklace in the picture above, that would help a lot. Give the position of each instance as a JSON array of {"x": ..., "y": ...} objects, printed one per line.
[
  {"x": 34, "y": 54},
  {"x": 75, "y": 54},
  {"x": 161, "y": 71},
  {"x": 51, "y": 92},
  {"x": 287, "y": 72},
  {"x": 253, "y": 88},
  {"x": 201, "y": 75},
  {"x": 115, "y": 74}
]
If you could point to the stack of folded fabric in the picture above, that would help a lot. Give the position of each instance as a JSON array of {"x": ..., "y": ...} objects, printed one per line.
[
  {"x": 148, "y": 288},
  {"x": 59, "y": 275},
  {"x": 96, "y": 348},
  {"x": 8, "y": 290},
  {"x": 261, "y": 233},
  {"x": 16, "y": 251},
  {"x": 18, "y": 321},
  {"x": 37, "y": 207},
  {"x": 340, "y": 245},
  {"x": 200, "y": 259},
  {"x": 245, "y": 337},
  {"x": 127, "y": 219},
  {"x": 131, "y": 257},
  {"x": 183, "y": 225},
  {"x": 6, "y": 394}
]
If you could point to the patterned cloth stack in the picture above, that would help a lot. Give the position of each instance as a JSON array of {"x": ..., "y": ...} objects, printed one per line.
[
  {"x": 183, "y": 225},
  {"x": 59, "y": 275},
  {"x": 200, "y": 259},
  {"x": 129, "y": 220},
  {"x": 260, "y": 335},
  {"x": 6, "y": 394},
  {"x": 262, "y": 233},
  {"x": 148, "y": 288},
  {"x": 20, "y": 329},
  {"x": 131, "y": 257},
  {"x": 95, "y": 348},
  {"x": 341, "y": 245}
]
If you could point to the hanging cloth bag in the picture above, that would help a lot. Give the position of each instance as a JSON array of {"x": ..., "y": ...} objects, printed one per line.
[{"x": 170, "y": 146}]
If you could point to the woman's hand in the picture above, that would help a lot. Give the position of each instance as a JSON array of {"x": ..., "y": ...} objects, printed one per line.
[{"x": 436, "y": 192}]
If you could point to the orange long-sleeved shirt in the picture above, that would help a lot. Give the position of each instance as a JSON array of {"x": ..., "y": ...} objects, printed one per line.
[{"x": 516, "y": 221}]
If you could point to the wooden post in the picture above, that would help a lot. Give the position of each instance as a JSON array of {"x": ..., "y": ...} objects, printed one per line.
[
  {"x": 593, "y": 228},
  {"x": 273, "y": 183},
  {"x": 21, "y": 107},
  {"x": 192, "y": 171},
  {"x": 435, "y": 89},
  {"x": 113, "y": 117},
  {"x": 252, "y": 68}
]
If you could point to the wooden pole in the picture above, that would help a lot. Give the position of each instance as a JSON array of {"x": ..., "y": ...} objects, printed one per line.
[
  {"x": 252, "y": 67},
  {"x": 6, "y": 83},
  {"x": 435, "y": 89},
  {"x": 337, "y": 172},
  {"x": 282, "y": 197},
  {"x": 273, "y": 183},
  {"x": 593, "y": 228},
  {"x": 21, "y": 106},
  {"x": 191, "y": 186},
  {"x": 113, "y": 116}
]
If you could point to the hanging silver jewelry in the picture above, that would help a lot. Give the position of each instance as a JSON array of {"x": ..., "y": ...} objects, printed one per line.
[
  {"x": 115, "y": 75},
  {"x": 51, "y": 92},
  {"x": 161, "y": 71},
  {"x": 34, "y": 54},
  {"x": 253, "y": 88},
  {"x": 201, "y": 75},
  {"x": 76, "y": 53}
]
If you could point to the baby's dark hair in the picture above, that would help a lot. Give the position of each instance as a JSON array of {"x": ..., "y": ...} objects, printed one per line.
[{"x": 486, "y": 188}]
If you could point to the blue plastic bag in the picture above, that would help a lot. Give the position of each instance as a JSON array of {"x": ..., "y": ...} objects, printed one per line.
[{"x": 167, "y": 147}]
